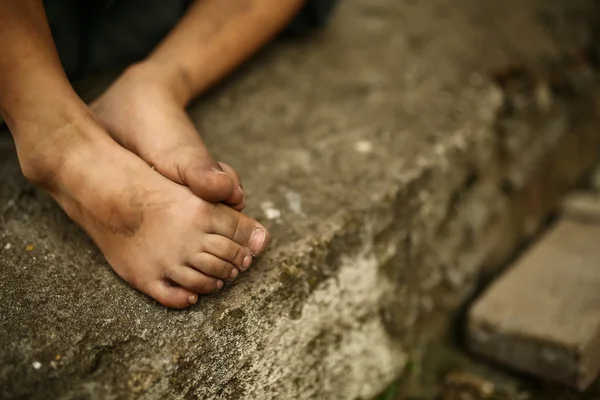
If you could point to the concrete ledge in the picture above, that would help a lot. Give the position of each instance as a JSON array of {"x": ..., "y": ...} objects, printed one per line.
[{"x": 399, "y": 168}]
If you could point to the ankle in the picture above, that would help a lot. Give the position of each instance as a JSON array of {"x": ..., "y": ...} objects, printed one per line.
[
  {"x": 151, "y": 74},
  {"x": 44, "y": 157}
]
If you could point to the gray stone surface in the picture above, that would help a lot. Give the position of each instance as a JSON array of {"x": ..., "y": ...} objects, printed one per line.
[
  {"x": 542, "y": 316},
  {"x": 402, "y": 155}
]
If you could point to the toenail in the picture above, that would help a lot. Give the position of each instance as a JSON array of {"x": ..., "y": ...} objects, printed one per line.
[
  {"x": 192, "y": 299},
  {"x": 241, "y": 189},
  {"x": 257, "y": 240},
  {"x": 220, "y": 285},
  {"x": 247, "y": 261},
  {"x": 234, "y": 273}
]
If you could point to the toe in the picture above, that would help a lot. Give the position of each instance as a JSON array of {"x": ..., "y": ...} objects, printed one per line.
[
  {"x": 194, "y": 280},
  {"x": 237, "y": 199},
  {"x": 213, "y": 266},
  {"x": 204, "y": 176},
  {"x": 240, "y": 228},
  {"x": 227, "y": 250},
  {"x": 170, "y": 295}
]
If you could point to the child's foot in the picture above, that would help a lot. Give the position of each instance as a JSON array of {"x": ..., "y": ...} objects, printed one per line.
[
  {"x": 146, "y": 118},
  {"x": 156, "y": 234}
]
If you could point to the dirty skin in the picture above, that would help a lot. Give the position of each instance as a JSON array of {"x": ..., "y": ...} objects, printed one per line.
[{"x": 131, "y": 168}]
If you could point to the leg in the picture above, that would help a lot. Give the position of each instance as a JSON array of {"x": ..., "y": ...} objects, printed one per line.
[
  {"x": 144, "y": 110},
  {"x": 156, "y": 234}
]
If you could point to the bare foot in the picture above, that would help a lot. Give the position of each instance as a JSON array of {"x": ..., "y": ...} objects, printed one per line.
[
  {"x": 144, "y": 116},
  {"x": 156, "y": 234}
]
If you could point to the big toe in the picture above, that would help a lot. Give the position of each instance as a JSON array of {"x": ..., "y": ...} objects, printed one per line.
[
  {"x": 239, "y": 228},
  {"x": 204, "y": 176}
]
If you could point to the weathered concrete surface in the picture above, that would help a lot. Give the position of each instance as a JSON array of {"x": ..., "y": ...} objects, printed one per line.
[
  {"x": 413, "y": 168},
  {"x": 542, "y": 316}
]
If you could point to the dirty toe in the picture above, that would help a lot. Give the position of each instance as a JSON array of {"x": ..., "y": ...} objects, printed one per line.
[{"x": 240, "y": 228}]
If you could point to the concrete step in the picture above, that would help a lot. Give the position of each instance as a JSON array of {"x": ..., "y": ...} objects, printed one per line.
[
  {"x": 392, "y": 156},
  {"x": 542, "y": 316}
]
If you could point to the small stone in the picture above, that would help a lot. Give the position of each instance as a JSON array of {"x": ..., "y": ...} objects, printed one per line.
[
  {"x": 29, "y": 247},
  {"x": 57, "y": 357},
  {"x": 7, "y": 246},
  {"x": 270, "y": 211},
  {"x": 363, "y": 146},
  {"x": 37, "y": 365}
]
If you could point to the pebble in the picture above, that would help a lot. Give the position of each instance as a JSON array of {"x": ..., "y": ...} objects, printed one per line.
[
  {"x": 270, "y": 211},
  {"x": 7, "y": 246},
  {"x": 37, "y": 365},
  {"x": 363, "y": 146}
]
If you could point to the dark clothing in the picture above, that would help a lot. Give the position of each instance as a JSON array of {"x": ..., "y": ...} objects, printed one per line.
[{"x": 93, "y": 35}]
